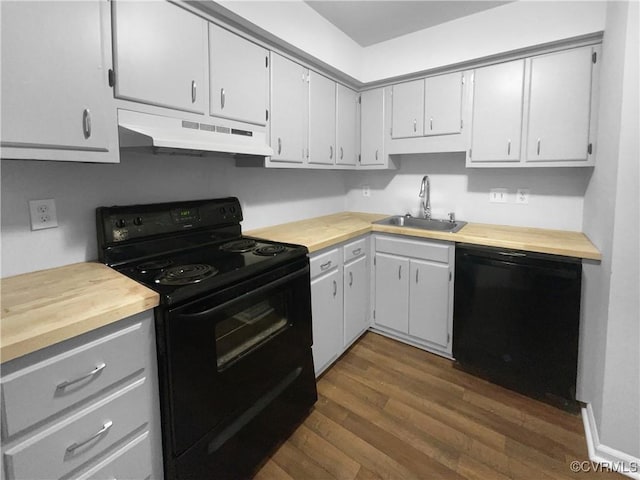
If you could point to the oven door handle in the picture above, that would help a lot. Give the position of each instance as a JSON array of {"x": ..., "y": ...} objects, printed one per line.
[{"x": 276, "y": 283}]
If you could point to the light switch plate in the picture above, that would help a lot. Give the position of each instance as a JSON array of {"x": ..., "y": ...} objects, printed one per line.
[{"x": 498, "y": 195}]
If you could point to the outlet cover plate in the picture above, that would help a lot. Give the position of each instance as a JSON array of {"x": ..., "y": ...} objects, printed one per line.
[
  {"x": 522, "y": 195},
  {"x": 43, "y": 214}
]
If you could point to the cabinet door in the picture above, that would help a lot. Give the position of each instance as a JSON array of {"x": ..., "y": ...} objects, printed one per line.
[
  {"x": 372, "y": 127},
  {"x": 238, "y": 77},
  {"x": 443, "y": 104},
  {"x": 322, "y": 119},
  {"x": 56, "y": 100},
  {"x": 327, "y": 313},
  {"x": 559, "y": 106},
  {"x": 497, "y": 113},
  {"x": 346, "y": 126},
  {"x": 289, "y": 110},
  {"x": 429, "y": 296},
  {"x": 356, "y": 299},
  {"x": 407, "y": 117},
  {"x": 392, "y": 292},
  {"x": 160, "y": 55}
]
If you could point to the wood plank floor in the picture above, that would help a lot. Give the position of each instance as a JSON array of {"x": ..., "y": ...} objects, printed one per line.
[{"x": 388, "y": 410}]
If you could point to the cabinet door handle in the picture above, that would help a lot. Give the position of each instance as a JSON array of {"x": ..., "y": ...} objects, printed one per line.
[
  {"x": 325, "y": 266},
  {"x": 222, "y": 98},
  {"x": 415, "y": 125},
  {"x": 331, "y": 152},
  {"x": 350, "y": 278},
  {"x": 400, "y": 272},
  {"x": 86, "y": 123},
  {"x": 509, "y": 147},
  {"x": 341, "y": 153},
  {"x": 431, "y": 123},
  {"x": 376, "y": 154},
  {"x": 74, "y": 446},
  {"x": 417, "y": 270},
  {"x": 538, "y": 146},
  {"x": 92, "y": 373},
  {"x": 335, "y": 288},
  {"x": 356, "y": 251},
  {"x": 279, "y": 145},
  {"x": 194, "y": 91}
]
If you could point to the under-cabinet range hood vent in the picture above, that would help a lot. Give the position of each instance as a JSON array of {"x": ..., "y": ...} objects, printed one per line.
[{"x": 185, "y": 137}]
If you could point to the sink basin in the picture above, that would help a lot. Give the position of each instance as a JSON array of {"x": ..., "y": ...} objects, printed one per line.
[{"x": 422, "y": 223}]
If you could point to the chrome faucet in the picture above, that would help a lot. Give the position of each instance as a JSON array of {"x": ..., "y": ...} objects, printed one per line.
[{"x": 425, "y": 194}]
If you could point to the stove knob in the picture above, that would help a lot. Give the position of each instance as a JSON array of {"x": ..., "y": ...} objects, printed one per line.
[
  {"x": 232, "y": 209},
  {"x": 137, "y": 221},
  {"x": 121, "y": 223},
  {"x": 223, "y": 210}
]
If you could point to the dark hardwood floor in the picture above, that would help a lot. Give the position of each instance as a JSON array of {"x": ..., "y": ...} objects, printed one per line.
[{"x": 388, "y": 410}]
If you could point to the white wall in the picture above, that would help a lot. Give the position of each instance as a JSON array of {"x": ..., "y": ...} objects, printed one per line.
[
  {"x": 555, "y": 202},
  {"x": 268, "y": 197}
]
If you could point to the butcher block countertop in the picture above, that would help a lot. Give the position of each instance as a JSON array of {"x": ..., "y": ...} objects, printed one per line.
[
  {"x": 322, "y": 232},
  {"x": 42, "y": 308}
]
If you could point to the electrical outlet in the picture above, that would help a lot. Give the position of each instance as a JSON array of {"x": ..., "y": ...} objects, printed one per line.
[
  {"x": 522, "y": 195},
  {"x": 498, "y": 195},
  {"x": 43, "y": 214},
  {"x": 366, "y": 192}
]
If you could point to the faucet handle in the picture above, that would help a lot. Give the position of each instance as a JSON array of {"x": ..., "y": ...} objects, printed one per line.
[{"x": 452, "y": 217}]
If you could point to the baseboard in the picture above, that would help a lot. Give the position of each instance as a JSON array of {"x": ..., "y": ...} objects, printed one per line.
[{"x": 602, "y": 456}]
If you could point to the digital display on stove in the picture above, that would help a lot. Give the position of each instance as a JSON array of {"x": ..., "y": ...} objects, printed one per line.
[{"x": 185, "y": 215}]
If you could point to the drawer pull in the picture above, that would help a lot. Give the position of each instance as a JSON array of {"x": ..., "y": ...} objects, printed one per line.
[
  {"x": 357, "y": 251},
  {"x": 325, "y": 266},
  {"x": 93, "y": 372},
  {"x": 71, "y": 448}
]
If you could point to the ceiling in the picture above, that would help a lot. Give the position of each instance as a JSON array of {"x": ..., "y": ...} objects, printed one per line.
[{"x": 369, "y": 22}]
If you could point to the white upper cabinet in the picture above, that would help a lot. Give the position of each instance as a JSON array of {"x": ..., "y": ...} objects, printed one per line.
[
  {"x": 346, "y": 126},
  {"x": 289, "y": 114},
  {"x": 56, "y": 100},
  {"x": 497, "y": 113},
  {"x": 372, "y": 129},
  {"x": 559, "y": 106},
  {"x": 443, "y": 104},
  {"x": 322, "y": 119},
  {"x": 408, "y": 109},
  {"x": 160, "y": 53},
  {"x": 238, "y": 77}
]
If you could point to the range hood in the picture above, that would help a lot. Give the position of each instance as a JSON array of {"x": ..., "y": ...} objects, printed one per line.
[{"x": 163, "y": 134}]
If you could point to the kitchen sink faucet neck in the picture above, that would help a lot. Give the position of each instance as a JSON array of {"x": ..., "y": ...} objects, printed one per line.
[{"x": 425, "y": 194}]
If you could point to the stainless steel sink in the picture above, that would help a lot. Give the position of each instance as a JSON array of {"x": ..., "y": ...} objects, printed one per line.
[{"x": 422, "y": 223}]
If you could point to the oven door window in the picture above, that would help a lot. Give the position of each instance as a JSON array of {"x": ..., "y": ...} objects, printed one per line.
[{"x": 249, "y": 325}]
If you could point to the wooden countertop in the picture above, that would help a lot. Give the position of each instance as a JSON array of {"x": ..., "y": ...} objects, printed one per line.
[
  {"x": 321, "y": 232},
  {"x": 42, "y": 308}
]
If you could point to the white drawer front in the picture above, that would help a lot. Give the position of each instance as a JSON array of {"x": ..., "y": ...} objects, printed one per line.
[
  {"x": 132, "y": 461},
  {"x": 50, "y": 453},
  {"x": 325, "y": 262},
  {"x": 37, "y": 392},
  {"x": 423, "y": 249},
  {"x": 355, "y": 249}
]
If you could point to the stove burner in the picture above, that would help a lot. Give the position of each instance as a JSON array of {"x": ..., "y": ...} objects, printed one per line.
[
  {"x": 239, "y": 246},
  {"x": 186, "y": 274},
  {"x": 269, "y": 250},
  {"x": 153, "y": 265}
]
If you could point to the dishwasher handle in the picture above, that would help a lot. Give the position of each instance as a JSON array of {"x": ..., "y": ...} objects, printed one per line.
[{"x": 550, "y": 268}]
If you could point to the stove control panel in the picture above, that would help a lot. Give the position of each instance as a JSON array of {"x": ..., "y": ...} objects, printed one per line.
[{"x": 119, "y": 224}]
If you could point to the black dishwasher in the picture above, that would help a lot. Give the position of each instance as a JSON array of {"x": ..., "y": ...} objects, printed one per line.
[{"x": 516, "y": 320}]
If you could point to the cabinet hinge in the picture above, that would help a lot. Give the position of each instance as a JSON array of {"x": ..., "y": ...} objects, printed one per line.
[
  {"x": 266, "y": 114},
  {"x": 594, "y": 57},
  {"x": 360, "y": 99},
  {"x": 590, "y": 149},
  {"x": 111, "y": 75},
  {"x": 359, "y": 159},
  {"x": 266, "y": 62}
]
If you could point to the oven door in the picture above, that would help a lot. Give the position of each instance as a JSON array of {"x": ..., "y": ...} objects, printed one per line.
[{"x": 229, "y": 351}]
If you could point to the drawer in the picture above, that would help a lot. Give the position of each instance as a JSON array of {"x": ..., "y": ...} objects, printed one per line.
[
  {"x": 355, "y": 249},
  {"x": 325, "y": 262},
  {"x": 423, "y": 249},
  {"x": 50, "y": 453},
  {"x": 38, "y": 391},
  {"x": 133, "y": 461}
]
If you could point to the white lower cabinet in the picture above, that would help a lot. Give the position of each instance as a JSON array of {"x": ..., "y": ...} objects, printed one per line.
[
  {"x": 85, "y": 408},
  {"x": 340, "y": 285},
  {"x": 414, "y": 291}
]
